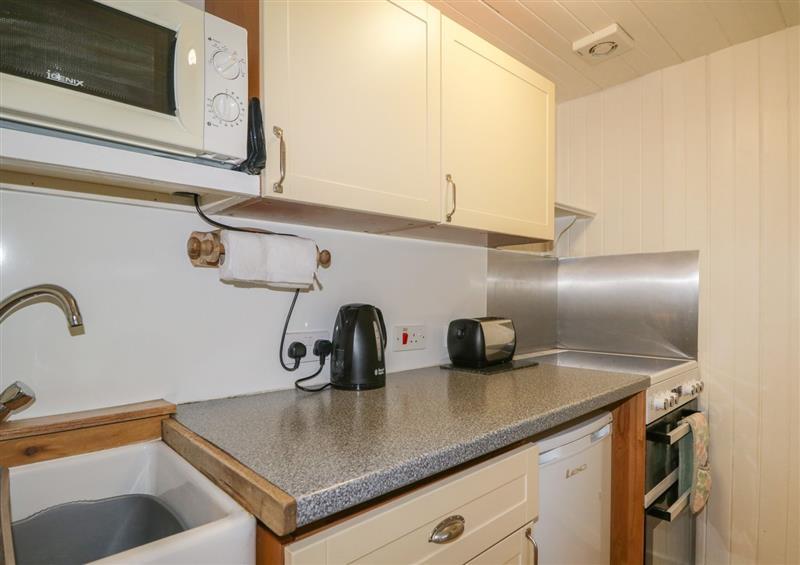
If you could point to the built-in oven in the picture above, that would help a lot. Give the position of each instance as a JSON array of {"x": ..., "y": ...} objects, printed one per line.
[
  {"x": 157, "y": 74},
  {"x": 669, "y": 524}
]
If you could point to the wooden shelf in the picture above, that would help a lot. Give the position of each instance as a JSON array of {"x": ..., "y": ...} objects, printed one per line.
[
  {"x": 569, "y": 210},
  {"x": 60, "y": 157}
]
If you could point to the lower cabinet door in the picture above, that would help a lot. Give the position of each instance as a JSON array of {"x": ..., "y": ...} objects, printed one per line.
[{"x": 518, "y": 548}]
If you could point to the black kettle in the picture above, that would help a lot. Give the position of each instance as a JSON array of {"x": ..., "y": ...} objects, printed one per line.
[{"x": 359, "y": 340}]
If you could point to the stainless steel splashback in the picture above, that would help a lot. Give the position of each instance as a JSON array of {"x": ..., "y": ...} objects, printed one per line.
[
  {"x": 523, "y": 287},
  {"x": 641, "y": 304}
]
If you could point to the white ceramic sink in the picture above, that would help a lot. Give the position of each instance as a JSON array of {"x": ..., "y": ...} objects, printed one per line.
[{"x": 218, "y": 530}]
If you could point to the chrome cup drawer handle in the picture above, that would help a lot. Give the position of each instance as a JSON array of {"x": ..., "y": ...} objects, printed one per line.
[{"x": 449, "y": 529}]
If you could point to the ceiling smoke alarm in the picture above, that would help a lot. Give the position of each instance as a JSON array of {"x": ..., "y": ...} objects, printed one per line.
[{"x": 603, "y": 45}]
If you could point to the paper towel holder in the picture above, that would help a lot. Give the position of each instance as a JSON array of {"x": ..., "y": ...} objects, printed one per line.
[{"x": 205, "y": 250}]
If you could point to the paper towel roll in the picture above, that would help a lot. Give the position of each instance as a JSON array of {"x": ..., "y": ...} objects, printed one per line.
[{"x": 276, "y": 260}]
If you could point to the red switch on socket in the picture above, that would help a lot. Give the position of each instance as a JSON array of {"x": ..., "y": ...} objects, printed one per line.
[{"x": 405, "y": 338}]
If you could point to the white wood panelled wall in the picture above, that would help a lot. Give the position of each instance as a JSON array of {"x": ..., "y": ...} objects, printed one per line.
[{"x": 704, "y": 155}]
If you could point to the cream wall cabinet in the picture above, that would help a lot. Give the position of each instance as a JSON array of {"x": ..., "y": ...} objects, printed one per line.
[
  {"x": 372, "y": 106},
  {"x": 498, "y": 139},
  {"x": 354, "y": 88},
  {"x": 492, "y": 500}
]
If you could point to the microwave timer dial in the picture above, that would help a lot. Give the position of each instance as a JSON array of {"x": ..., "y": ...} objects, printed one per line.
[{"x": 225, "y": 107}]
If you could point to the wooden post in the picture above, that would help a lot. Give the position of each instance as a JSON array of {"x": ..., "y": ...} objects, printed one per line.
[{"x": 627, "y": 481}]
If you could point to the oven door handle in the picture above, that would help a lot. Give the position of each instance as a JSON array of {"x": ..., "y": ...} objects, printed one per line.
[
  {"x": 669, "y": 514},
  {"x": 671, "y": 437},
  {"x": 662, "y": 487}
]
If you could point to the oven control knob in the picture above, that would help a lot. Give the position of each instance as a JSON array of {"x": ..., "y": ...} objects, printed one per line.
[
  {"x": 225, "y": 107},
  {"x": 227, "y": 64},
  {"x": 660, "y": 402}
]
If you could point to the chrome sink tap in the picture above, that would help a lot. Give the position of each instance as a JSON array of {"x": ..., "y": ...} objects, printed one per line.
[
  {"x": 19, "y": 396},
  {"x": 15, "y": 398},
  {"x": 44, "y": 292}
]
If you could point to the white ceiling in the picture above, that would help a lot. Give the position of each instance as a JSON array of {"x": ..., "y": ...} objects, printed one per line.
[{"x": 665, "y": 32}]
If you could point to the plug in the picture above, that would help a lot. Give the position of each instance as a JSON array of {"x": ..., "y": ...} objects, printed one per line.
[
  {"x": 296, "y": 351},
  {"x": 322, "y": 348}
]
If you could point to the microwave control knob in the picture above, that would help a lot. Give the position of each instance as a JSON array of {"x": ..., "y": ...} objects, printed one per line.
[
  {"x": 225, "y": 107},
  {"x": 227, "y": 64}
]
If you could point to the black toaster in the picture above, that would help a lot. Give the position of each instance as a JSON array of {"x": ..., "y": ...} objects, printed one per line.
[{"x": 475, "y": 343}]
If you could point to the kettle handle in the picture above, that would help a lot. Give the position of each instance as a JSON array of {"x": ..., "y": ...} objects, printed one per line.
[{"x": 383, "y": 326}]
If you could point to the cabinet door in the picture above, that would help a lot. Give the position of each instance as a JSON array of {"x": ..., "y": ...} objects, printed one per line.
[
  {"x": 355, "y": 88},
  {"x": 516, "y": 549},
  {"x": 498, "y": 139}
]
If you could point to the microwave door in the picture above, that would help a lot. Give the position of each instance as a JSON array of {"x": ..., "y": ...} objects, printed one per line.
[{"x": 125, "y": 71}]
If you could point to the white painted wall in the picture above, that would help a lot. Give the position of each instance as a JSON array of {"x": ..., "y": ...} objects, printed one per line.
[
  {"x": 704, "y": 155},
  {"x": 157, "y": 327}
]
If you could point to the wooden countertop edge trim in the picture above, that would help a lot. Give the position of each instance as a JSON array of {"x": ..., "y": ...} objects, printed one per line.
[
  {"x": 267, "y": 502},
  {"x": 85, "y": 419},
  {"x": 6, "y": 542}
]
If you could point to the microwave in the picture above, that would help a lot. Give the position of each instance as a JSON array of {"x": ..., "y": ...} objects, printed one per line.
[{"x": 156, "y": 74}]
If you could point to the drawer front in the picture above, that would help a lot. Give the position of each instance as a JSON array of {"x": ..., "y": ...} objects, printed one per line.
[
  {"x": 486, "y": 519},
  {"x": 516, "y": 549},
  {"x": 493, "y": 498}
]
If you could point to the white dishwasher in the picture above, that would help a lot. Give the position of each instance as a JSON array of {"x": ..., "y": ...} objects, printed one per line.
[{"x": 574, "y": 525}]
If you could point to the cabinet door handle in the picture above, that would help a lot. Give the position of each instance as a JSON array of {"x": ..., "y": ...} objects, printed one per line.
[
  {"x": 529, "y": 535},
  {"x": 449, "y": 529},
  {"x": 278, "y": 186},
  {"x": 449, "y": 179}
]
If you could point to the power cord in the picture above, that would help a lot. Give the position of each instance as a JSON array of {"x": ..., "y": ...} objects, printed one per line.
[
  {"x": 220, "y": 225},
  {"x": 322, "y": 348},
  {"x": 295, "y": 352}
]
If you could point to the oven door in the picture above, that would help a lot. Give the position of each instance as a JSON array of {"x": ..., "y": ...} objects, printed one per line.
[
  {"x": 127, "y": 71},
  {"x": 669, "y": 524}
]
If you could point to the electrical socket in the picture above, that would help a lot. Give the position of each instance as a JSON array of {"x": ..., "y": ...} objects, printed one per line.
[
  {"x": 415, "y": 338},
  {"x": 307, "y": 339}
]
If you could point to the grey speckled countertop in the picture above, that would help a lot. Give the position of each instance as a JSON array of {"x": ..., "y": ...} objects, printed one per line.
[{"x": 335, "y": 449}]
